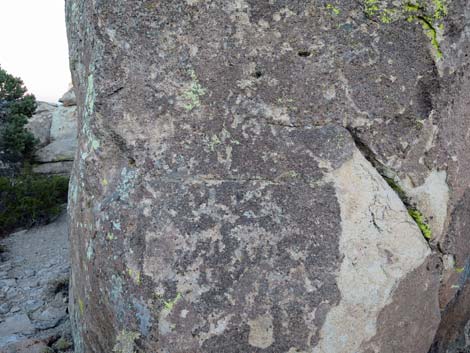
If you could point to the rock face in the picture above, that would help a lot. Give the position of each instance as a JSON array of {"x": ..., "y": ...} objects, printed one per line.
[
  {"x": 56, "y": 129},
  {"x": 40, "y": 123},
  {"x": 277, "y": 176}
]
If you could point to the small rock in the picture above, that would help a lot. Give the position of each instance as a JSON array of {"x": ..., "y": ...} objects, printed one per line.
[
  {"x": 28, "y": 346},
  {"x": 19, "y": 323},
  {"x": 7, "y": 340},
  {"x": 5, "y": 267},
  {"x": 5, "y": 308},
  {"x": 12, "y": 293},
  {"x": 32, "y": 305},
  {"x": 7, "y": 283},
  {"x": 29, "y": 273},
  {"x": 15, "y": 309},
  {"x": 48, "y": 318}
]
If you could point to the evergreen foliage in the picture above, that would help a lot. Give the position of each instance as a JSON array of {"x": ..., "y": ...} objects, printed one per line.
[{"x": 16, "y": 107}]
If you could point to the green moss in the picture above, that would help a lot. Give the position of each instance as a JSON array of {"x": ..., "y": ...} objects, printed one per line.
[
  {"x": 421, "y": 222},
  {"x": 412, "y": 211},
  {"x": 401, "y": 193},
  {"x": 29, "y": 199},
  {"x": 125, "y": 341}
]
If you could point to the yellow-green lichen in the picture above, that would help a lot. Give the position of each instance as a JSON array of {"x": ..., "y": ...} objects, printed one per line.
[
  {"x": 125, "y": 341},
  {"x": 333, "y": 9},
  {"x": 459, "y": 269},
  {"x": 135, "y": 275},
  {"x": 431, "y": 33},
  {"x": 421, "y": 222},
  {"x": 371, "y": 7},
  {"x": 194, "y": 93},
  {"x": 428, "y": 13},
  {"x": 170, "y": 304},
  {"x": 81, "y": 306},
  {"x": 440, "y": 9},
  {"x": 90, "y": 97},
  {"x": 387, "y": 15}
]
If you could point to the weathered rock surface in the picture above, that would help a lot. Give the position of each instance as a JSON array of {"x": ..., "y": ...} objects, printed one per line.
[
  {"x": 57, "y": 151},
  {"x": 68, "y": 99},
  {"x": 34, "y": 276},
  {"x": 246, "y": 172},
  {"x": 40, "y": 123},
  {"x": 64, "y": 123},
  {"x": 54, "y": 168},
  {"x": 56, "y": 129}
]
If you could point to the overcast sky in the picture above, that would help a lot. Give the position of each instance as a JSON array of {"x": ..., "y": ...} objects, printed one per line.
[{"x": 33, "y": 45}]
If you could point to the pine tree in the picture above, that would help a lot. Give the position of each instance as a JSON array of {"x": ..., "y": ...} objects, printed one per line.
[{"x": 16, "y": 107}]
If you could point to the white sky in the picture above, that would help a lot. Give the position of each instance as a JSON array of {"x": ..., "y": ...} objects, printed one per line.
[{"x": 33, "y": 45}]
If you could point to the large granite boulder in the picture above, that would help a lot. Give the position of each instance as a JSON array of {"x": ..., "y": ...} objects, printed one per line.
[
  {"x": 40, "y": 123},
  {"x": 64, "y": 123},
  {"x": 56, "y": 129},
  {"x": 270, "y": 176},
  {"x": 57, "y": 151}
]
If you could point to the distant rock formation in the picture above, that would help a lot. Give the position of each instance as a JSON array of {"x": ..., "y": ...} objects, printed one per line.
[
  {"x": 56, "y": 129},
  {"x": 270, "y": 176}
]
